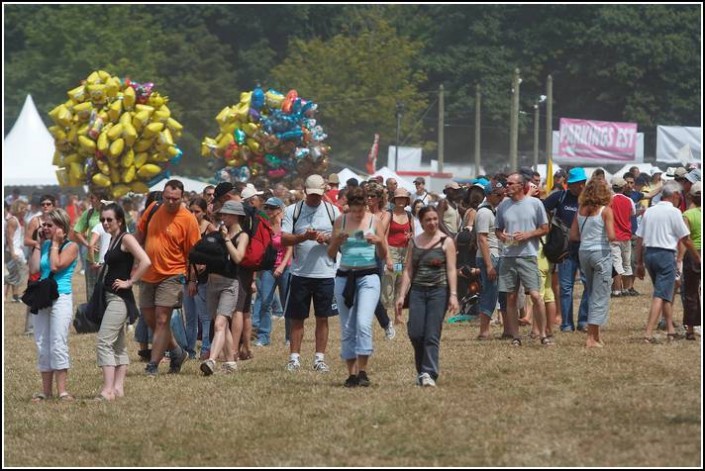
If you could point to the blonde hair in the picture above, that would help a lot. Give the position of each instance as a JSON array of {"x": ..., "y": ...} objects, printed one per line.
[{"x": 60, "y": 218}]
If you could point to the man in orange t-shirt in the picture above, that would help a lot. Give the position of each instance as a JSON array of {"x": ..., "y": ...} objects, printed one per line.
[{"x": 170, "y": 233}]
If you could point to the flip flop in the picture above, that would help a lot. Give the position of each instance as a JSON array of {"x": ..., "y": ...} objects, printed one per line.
[
  {"x": 39, "y": 397},
  {"x": 66, "y": 397}
]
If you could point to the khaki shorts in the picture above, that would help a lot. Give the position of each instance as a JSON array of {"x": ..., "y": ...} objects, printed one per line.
[
  {"x": 222, "y": 295},
  {"x": 513, "y": 270},
  {"x": 166, "y": 293}
]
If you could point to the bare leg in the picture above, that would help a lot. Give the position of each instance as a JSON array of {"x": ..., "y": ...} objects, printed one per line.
[
  {"x": 593, "y": 336},
  {"x": 485, "y": 326},
  {"x": 162, "y": 339},
  {"x": 47, "y": 383},
  {"x": 236, "y": 328},
  {"x": 61, "y": 381},
  {"x": 362, "y": 362},
  {"x": 108, "y": 383},
  {"x": 352, "y": 366},
  {"x": 120, "y": 374},
  {"x": 297, "y": 335},
  {"x": 539, "y": 313},
  {"x": 654, "y": 313},
  {"x": 550, "y": 316},
  {"x": 511, "y": 320},
  {"x": 321, "y": 334}
]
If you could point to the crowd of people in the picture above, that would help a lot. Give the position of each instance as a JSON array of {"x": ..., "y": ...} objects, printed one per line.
[{"x": 364, "y": 252}]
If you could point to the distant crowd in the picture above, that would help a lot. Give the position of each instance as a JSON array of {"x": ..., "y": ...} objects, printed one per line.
[{"x": 503, "y": 248}]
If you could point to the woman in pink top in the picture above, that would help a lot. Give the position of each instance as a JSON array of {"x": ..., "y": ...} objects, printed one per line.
[{"x": 271, "y": 279}]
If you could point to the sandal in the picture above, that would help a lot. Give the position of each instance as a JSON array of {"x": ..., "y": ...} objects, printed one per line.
[
  {"x": 547, "y": 341},
  {"x": 39, "y": 397},
  {"x": 651, "y": 340},
  {"x": 66, "y": 397},
  {"x": 516, "y": 342}
]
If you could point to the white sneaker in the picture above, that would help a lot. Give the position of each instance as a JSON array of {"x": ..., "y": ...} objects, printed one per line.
[
  {"x": 293, "y": 365},
  {"x": 321, "y": 366},
  {"x": 229, "y": 367},
  {"x": 426, "y": 381},
  {"x": 390, "y": 332}
]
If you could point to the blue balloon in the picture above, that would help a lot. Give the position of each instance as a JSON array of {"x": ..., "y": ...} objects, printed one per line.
[
  {"x": 176, "y": 160},
  {"x": 257, "y": 100},
  {"x": 157, "y": 178}
]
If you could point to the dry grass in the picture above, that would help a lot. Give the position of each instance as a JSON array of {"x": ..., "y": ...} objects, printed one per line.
[{"x": 629, "y": 404}]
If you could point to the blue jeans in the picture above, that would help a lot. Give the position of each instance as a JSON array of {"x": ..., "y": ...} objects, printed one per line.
[
  {"x": 490, "y": 289},
  {"x": 195, "y": 310},
  {"x": 356, "y": 321},
  {"x": 266, "y": 302},
  {"x": 427, "y": 308},
  {"x": 566, "y": 281},
  {"x": 143, "y": 334}
]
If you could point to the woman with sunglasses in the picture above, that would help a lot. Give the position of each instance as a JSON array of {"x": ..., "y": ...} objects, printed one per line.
[
  {"x": 119, "y": 300},
  {"x": 51, "y": 325},
  {"x": 32, "y": 230},
  {"x": 270, "y": 280}
]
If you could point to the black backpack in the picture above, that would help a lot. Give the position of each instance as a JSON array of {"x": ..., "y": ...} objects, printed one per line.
[
  {"x": 555, "y": 249},
  {"x": 211, "y": 252},
  {"x": 81, "y": 322}
]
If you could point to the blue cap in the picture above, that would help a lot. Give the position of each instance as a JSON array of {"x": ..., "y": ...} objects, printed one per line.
[
  {"x": 576, "y": 175},
  {"x": 274, "y": 201},
  {"x": 490, "y": 187}
]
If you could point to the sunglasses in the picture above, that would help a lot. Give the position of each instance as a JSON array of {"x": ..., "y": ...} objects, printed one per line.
[
  {"x": 106, "y": 219},
  {"x": 271, "y": 207},
  {"x": 46, "y": 203}
]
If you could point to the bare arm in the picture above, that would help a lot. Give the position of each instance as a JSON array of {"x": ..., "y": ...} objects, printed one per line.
[
  {"x": 406, "y": 278},
  {"x": 130, "y": 244},
  {"x": 59, "y": 261},
  {"x": 29, "y": 230},
  {"x": 236, "y": 253},
  {"x": 452, "y": 274},
  {"x": 380, "y": 240},
  {"x": 12, "y": 226},
  {"x": 337, "y": 239}
]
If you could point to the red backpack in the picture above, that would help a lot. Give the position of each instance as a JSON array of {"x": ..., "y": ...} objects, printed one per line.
[{"x": 260, "y": 253}]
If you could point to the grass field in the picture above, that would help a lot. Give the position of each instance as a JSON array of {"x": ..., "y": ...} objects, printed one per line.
[{"x": 628, "y": 404}]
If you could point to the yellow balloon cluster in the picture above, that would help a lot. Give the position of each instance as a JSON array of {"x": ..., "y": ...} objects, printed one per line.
[{"x": 114, "y": 134}]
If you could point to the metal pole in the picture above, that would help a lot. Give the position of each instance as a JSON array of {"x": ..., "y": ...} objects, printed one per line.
[
  {"x": 400, "y": 111},
  {"x": 514, "y": 123},
  {"x": 441, "y": 125},
  {"x": 549, "y": 118},
  {"x": 478, "y": 103},
  {"x": 536, "y": 136}
]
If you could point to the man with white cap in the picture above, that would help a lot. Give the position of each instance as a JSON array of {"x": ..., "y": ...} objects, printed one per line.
[
  {"x": 662, "y": 229},
  {"x": 623, "y": 209},
  {"x": 308, "y": 226},
  {"x": 421, "y": 193}
]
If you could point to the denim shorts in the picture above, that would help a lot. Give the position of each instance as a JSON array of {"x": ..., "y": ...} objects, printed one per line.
[{"x": 661, "y": 264}]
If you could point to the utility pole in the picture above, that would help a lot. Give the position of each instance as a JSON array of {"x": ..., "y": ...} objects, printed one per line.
[
  {"x": 514, "y": 123},
  {"x": 549, "y": 119},
  {"x": 536, "y": 136},
  {"x": 400, "y": 113},
  {"x": 478, "y": 103},
  {"x": 441, "y": 125}
]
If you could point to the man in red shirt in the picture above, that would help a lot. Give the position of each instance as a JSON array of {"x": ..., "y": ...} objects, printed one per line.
[
  {"x": 332, "y": 193},
  {"x": 623, "y": 209}
]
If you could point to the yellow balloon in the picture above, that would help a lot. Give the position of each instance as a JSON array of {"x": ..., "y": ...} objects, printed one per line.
[
  {"x": 62, "y": 176},
  {"x": 115, "y": 110},
  {"x": 101, "y": 180},
  {"x": 83, "y": 110},
  {"x": 86, "y": 144},
  {"x": 143, "y": 144},
  {"x": 141, "y": 159},
  {"x": 93, "y": 77},
  {"x": 96, "y": 92},
  {"x": 115, "y": 175},
  {"x": 250, "y": 129},
  {"x": 224, "y": 115},
  {"x": 126, "y": 118},
  {"x": 76, "y": 171},
  {"x": 58, "y": 159},
  {"x": 104, "y": 76},
  {"x": 61, "y": 115},
  {"x": 139, "y": 187},
  {"x": 162, "y": 114},
  {"x": 111, "y": 87},
  {"x": 115, "y": 132},
  {"x": 165, "y": 138},
  {"x": 57, "y": 132},
  {"x": 174, "y": 125},
  {"x": 130, "y": 134},
  {"x": 149, "y": 109},
  {"x": 103, "y": 142},
  {"x": 140, "y": 119},
  {"x": 129, "y": 174},
  {"x": 103, "y": 167},
  {"x": 128, "y": 158},
  {"x": 78, "y": 94},
  {"x": 71, "y": 158},
  {"x": 152, "y": 129},
  {"x": 128, "y": 98},
  {"x": 148, "y": 170},
  {"x": 120, "y": 190},
  {"x": 117, "y": 147},
  {"x": 245, "y": 98}
]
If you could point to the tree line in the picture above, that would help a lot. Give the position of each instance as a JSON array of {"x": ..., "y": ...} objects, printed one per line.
[{"x": 636, "y": 63}]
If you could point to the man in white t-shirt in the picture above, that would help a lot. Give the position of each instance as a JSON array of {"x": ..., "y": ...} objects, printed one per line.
[
  {"x": 308, "y": 226},
  {"x": 421, "y": 193}
]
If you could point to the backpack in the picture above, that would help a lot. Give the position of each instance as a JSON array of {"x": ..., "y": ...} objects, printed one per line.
[
  {"x": 260, "y": 253},
  {"x": 468, "y": 239},
  {"x": 211, "y": 252},
  {"x": 555, "y": 249},
  {"x": 81, "y": 322},
  {"x": 300, "y": 206}
]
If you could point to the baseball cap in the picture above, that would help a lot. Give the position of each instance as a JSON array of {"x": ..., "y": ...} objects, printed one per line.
[
  {"x": 315, "y": 185},
  {"x": 249, "y": 192},
  {"x": 420, "y": 180},
  {"x": 576, "y": 174},
  {"x": 619, "y": 182},
  {"x": 693, "y": 176},
  {"x": 232, "y": 207},
  {"x": 333, "y": 178},
  {"x": 496, "y": 187},
  {"x": 274, "y": 202},
  {"x": 451, "y": 186},
  {"x": 695, "y": 189},
  {"x": 222, "y": 189}
]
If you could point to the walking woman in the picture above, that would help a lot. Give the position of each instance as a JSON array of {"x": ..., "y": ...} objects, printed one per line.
[
  {"x": 431, "y": 273},
  {"x": 51, "y": 325},
  {"x": 195, "y": 306},
  {"x": 359, "y": 236},
  {"x": 276, "y": 277},
  {"x": 690, "y": 291},
  {"x": 594, "y": 229},
  {"x": 224, "y": 287},
  {"x": 119, "y": 300},
  {"x": 399, "y": 229}
]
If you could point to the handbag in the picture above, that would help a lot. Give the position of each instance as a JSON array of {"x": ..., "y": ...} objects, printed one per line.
[{"x": 95, "y": 308}]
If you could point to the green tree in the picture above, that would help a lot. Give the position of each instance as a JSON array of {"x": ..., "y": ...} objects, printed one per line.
[{"x": 357, "y": 80}]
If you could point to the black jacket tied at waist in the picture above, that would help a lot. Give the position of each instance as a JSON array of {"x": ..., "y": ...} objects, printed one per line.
[{"x": 350, "y": 284}]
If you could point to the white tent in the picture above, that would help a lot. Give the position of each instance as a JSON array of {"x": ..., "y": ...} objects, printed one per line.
[
  {"x": 28, "y": 150},
  {"x": 345, "y": 175},
  {"x": 189, "y": 184},
  {"x": 401, "y": 182}
]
